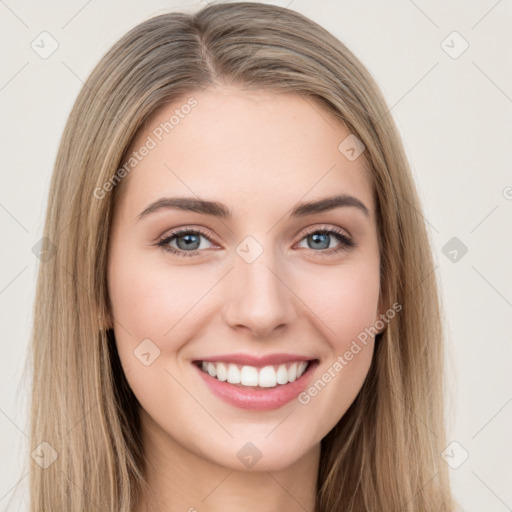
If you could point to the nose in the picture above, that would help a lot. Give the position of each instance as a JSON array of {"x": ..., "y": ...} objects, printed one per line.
[{"x": 258, "y": 298}]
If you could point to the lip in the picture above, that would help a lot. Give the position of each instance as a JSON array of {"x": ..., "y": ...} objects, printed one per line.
[
  {"x": 257, "y": 361},
  {"x": 258, "y": 399}
]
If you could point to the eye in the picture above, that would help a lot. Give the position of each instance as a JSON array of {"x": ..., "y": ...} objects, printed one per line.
[
  {"x": 188, "y": 242},
  {"x": 320, "y": 240}
]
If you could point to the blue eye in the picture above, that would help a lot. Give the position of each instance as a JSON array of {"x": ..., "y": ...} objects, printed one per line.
[
  {"x": 188, "y": 241},
  {"x": 321, "y": 238},
  {"x": 185, "y": 239}
]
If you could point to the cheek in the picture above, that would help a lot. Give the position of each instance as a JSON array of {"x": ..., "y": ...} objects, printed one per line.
[
  {"x": 138, "y": 301},
  {"x": 150, "y": 302},
  {"x": 154, "y": 301},
  {"x": 344, "y": 299},
  {"x": 147, "y": 298},
  {"x": 346, "y": 305}
]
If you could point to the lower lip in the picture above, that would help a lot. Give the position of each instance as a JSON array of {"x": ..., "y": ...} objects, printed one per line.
[{"x": 262, "y": 399}]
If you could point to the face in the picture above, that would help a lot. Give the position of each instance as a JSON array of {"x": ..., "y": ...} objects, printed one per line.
[{"x": 246, "y": 276}]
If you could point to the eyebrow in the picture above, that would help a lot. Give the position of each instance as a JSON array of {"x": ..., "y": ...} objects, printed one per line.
[{"x": 220, "y": 210}]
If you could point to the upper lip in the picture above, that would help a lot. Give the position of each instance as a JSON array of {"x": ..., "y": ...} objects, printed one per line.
[{"x": 258, "y": 361}]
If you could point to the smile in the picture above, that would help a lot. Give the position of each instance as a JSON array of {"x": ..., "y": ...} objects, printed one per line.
[
  {"x": 249, "y": 376},
  {"x": 256, "y": 388}
]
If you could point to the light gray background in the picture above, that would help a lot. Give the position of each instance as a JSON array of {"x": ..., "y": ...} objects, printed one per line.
[{"x": 454, "y": 115}]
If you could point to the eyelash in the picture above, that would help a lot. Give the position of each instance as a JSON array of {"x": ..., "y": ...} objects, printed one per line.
[{"x": 346, "y": 243}]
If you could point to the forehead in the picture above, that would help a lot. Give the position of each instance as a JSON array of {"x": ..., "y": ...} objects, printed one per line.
[{"x": 245, "y": 148}]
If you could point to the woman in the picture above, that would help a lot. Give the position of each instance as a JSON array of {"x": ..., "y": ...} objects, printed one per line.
[{"x": 241, "y": 311}]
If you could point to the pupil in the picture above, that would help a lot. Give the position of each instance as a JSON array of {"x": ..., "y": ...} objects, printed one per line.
[
  {"x": 189, "y": 239},
  {"x": 322, "y": 238}
]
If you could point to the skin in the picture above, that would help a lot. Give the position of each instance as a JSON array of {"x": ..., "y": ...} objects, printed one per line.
[{"x": 260, "y": 153}]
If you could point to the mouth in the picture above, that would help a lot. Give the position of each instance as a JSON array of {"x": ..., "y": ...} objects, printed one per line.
[{"x": 256, "y": 378}]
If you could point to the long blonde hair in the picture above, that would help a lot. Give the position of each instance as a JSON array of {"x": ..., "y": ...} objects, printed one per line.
[{"x": 385, "y": 452}]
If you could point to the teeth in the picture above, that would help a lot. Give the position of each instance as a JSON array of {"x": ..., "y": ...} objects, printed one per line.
[
  {"x": 222, "y": 372},
  {"x": 266, "y": 377},
  {"x": 292, "y": 372},
  {"x": 282, "y": 375},
  {"x": 212, "y": 369},
  {"x": 233, "y": 374},
  {"x": 249, "y": 376}
]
